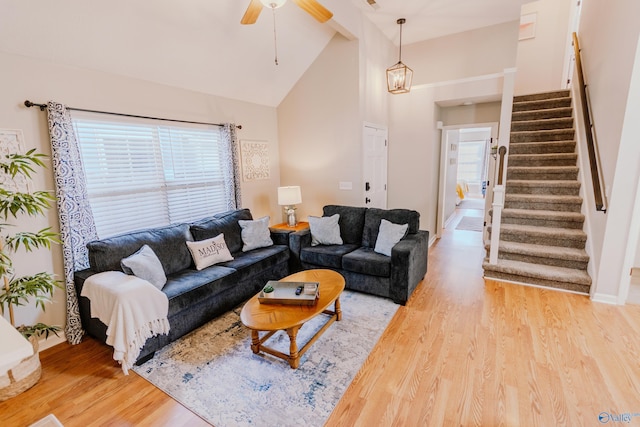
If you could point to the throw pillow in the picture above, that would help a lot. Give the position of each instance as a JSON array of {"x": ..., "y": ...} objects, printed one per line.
[
  {"x": 145, "y": 264},
  {"x": 325, "y": 230},
  {"x": 255, "y": 234},
  {"x": 388, "y": 235},
  {"x": 208, "y": 252}
]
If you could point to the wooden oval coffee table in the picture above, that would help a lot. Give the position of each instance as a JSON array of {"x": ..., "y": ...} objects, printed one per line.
[{"x": 271, "y": 318}]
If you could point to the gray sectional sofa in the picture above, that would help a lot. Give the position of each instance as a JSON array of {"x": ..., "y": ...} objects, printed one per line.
[
  {"x": 363, "y": 268},
  {"x": 195, "y": 297}
]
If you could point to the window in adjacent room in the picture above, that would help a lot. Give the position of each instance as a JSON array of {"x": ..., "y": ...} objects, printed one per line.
[{"x": 146, "y": 173}]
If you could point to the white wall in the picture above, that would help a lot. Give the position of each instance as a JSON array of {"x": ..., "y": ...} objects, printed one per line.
[
  {"x": 484, "y": 112},
  {"x": 468, "y": 54},
  {"x": 22, "y": 78},
  {"x": 611, "y": 75},
  {"x": 414, "y": 142},
  {"x": 541, "y": 59}
]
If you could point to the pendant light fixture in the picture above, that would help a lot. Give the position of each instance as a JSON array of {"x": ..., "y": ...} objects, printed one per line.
[{"x": 399, "y": 76}]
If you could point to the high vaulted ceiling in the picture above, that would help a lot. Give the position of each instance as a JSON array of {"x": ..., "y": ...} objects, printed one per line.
[{"x": 200, "y": 45}]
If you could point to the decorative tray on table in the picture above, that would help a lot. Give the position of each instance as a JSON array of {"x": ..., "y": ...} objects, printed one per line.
[{"x": 285, "y": 293}]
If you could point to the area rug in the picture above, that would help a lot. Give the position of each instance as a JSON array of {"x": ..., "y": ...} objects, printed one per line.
[
  {"x": 213, "y": 372},
  {"x": 471, "y": 223}
]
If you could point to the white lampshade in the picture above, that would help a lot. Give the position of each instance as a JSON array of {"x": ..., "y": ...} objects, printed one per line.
[{"x": 288, "y": 196}]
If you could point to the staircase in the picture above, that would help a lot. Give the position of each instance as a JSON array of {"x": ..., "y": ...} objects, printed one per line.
[{"x": 541, "y": 237}]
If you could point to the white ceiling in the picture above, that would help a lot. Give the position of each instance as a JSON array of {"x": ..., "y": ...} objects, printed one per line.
[
  {"x": 200, "y": 45},
  {"x": 428, "y": 19}
]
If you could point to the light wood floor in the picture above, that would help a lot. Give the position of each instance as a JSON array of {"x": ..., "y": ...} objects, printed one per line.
[{"x": 462, "y": 352}]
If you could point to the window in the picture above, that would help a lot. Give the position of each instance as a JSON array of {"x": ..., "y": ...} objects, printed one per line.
[{"x": 145, "y": 173}]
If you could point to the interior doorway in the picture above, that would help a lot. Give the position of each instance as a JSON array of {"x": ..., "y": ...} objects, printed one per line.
[{"x": 465, "y": 169}]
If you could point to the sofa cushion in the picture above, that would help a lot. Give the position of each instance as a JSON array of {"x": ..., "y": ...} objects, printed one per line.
[
  {"x": 325, "y": 230},
  {"x": 388, "y": 235},
  {"x": 257, "y": 261},
  {"x": 168, "y": 243},
  {"x": 255, "y": 234},
  {"x": 206, "y": 253},
  {"x": 351, "y": 222},
  {"x": 225, "y": 223},
  {"x": 374, "y": 216},
  {"x": 326, "y": 256},
  {"x": 189, "y": 287},
  {"x": 367, "y": 261},
  {"x": 145, "y": 265}
]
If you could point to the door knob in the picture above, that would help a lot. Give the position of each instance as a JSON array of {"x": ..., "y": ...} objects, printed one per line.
[
  {"x": 367, "y": 187},
  {"x": 367, "y": 200}
]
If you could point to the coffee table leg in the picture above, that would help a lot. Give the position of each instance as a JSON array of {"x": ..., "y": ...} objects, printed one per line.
[
  {"x": 294, "y": 357},
  {"x": 338, "y": 310},
  {"x": 255, "y": 341}
]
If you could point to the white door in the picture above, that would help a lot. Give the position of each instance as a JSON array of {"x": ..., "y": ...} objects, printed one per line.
[{"x": 375, "y": 166}]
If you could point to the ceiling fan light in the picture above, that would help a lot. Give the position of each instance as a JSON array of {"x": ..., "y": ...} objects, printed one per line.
[
  {"x": 273, "y": 4},
  {"x": 399, "y": 78}
]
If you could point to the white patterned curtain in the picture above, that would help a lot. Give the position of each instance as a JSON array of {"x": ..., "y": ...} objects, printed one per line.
[
  {"x": 232, "y": 166},
  {"x": 76, "y": 219}
]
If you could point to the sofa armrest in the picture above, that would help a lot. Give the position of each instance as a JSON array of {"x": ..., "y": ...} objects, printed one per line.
[
  {"x": 280, "y": 237},
  {"x": 408, "y": 265},
  {"x": 298, "y": 241}
]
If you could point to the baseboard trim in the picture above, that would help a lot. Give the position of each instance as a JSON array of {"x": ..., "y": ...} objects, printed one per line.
[
  {"x": 45, "y": 343},
  {"x": 531, "y": 285},
  {"x": 605, "y": 299}
]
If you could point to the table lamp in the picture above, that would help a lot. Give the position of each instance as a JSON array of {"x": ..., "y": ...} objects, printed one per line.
[{"x": 289, "y": 197}]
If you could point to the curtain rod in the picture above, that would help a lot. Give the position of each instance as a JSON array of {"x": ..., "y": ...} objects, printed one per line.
[{"x": 42, "y": 107}]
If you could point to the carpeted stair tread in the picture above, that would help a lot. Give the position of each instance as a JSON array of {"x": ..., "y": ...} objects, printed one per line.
[
  {"x": 542, "y": 172},
  {"x": 562, "y": 93},
  {"x": 543, "y": 215},
  {"x": 542, "y": 124},
  {"x": 554, "y": 159},
  {"x": 546, "y": 198},
  {"x": 548, "y": 113},
  {"x": 566, "y": 237},
  {"x": 541, "y": 104},
  {"x": 544, "y": 183},
  {"x": 542, "y": 135},
  {"x": 542, "y": 147},
  {"x": 542, "y": 218},
  {"x": 541, "y": 272},
  {"x": 536, "y": 186},
  {"x": 544, "y": 251}
]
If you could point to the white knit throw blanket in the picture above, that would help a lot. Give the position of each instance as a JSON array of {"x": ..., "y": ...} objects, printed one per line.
[{"x": 133, "y": 309}]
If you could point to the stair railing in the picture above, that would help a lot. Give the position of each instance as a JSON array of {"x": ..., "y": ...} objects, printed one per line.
[
  {"x": 592, "y": 148},
  {"x": 497, "y": 204}
]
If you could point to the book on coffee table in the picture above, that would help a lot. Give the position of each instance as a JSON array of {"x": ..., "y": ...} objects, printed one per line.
[{"x": 285, "y": 293}]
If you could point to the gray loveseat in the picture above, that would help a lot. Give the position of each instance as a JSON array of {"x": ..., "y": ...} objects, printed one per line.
[
  {"x": 365, "y": 270},
  {"x": 195, "y": 297}
]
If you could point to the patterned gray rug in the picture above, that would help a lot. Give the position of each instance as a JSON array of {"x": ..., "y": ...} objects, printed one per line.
[{"x": 213, "y": 372}]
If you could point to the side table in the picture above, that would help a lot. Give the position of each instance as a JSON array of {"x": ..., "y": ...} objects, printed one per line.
[{"x": 301, "y": 225}]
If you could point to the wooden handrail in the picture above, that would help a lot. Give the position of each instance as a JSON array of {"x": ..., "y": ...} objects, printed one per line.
[
  {"x": 596, "y": 178},
  {"x": 501, "y": 152}
]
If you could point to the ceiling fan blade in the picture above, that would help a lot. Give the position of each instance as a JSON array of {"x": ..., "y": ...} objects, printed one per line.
[
  {"x": 315, "y": 9},
  {"x": 252, "y": 13}
]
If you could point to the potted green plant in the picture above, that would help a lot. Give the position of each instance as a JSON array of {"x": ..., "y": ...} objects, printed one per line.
[{"x": 16, "y": 201}]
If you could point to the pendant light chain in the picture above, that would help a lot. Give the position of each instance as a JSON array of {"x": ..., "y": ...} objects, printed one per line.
[{"x": 400, "y": 21}]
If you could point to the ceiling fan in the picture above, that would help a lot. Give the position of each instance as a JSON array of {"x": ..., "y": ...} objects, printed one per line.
[{"x": 312, "y": 7}]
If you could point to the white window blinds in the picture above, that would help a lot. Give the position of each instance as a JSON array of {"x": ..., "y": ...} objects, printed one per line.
[{"x": 144, "y": 173}]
